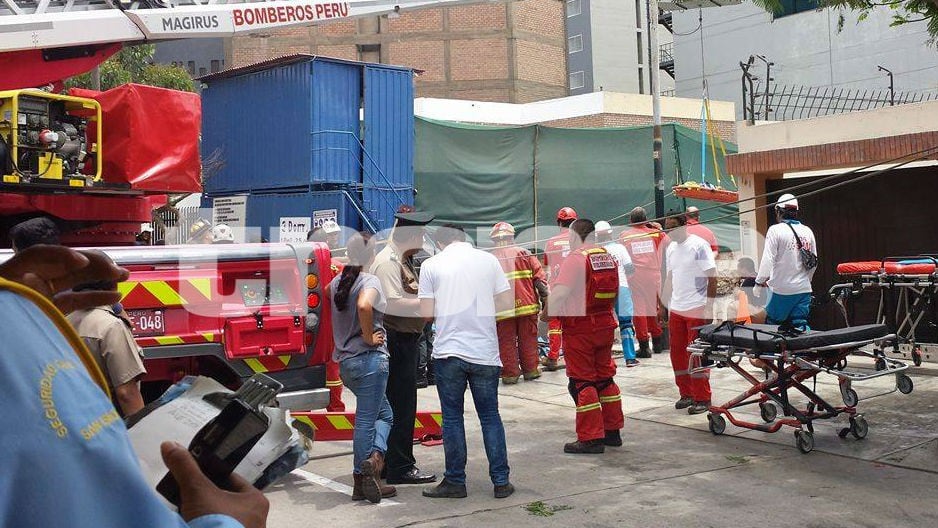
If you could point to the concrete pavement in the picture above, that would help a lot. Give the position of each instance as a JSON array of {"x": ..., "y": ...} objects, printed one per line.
[{"x": 671, "y": 471}]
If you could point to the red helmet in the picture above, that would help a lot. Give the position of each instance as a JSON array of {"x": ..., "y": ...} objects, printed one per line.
[
  {"x": 566, "y": 213},
  {"x": 502, "y": 229}
]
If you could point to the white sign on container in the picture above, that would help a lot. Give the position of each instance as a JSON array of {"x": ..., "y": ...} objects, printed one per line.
[
  {"x": 231, "y": 210},
  {"x": 294, "y": 228},
  {"x": 319, "y": 217}
]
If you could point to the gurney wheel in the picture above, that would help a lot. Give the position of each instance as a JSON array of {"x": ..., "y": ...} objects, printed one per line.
[
  {"x": 843, "y": 432},
  {"x": 851, "y": 399},
  {"x": 858, "y": 427},
  {"x": 804, "y": 441},
  {"x": 769, "y": 411},
  {"x": 904, "y": 384},
  {"x": 717, "y": 424}
]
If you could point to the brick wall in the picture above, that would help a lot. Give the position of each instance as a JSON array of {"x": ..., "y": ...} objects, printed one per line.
[{"x": 504, "y": 51}]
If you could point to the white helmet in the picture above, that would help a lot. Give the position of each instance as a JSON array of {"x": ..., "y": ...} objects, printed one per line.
[
  {"x": 603, "y": 227},
  {"x": 787, "y": 201},
  {"x": 330, "y": 227},
  {"x": 222, "y": 234}
]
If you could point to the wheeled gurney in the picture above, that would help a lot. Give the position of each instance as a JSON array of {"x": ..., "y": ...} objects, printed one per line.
[
  {"x": 908, "y": 301},
  {"x": 791, "y": 360}
]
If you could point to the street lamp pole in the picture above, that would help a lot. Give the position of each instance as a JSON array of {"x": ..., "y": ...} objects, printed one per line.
[
  {"x": 892, "y": 87},
  {"x": 652, "y": 27}
]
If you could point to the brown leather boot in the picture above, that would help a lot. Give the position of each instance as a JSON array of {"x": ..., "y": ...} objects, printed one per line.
[
  {"x": 357, "y": 493},
  {"x": 372, "y": 488}
]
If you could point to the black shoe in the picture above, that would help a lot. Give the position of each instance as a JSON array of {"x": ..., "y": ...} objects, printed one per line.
[
  {"x": 446, "y": 490},
  {"x": 657, "y": 344},
  {"x": 643, "y": 351},
  {"x": 504, "y": 491},
  {"x": 590, "y": 447},
  {"x": 698, "y": 408},
  {"x": 422, "y": 383},
  {"x": 684, "y": 402},
  {"x": 613, "y": 438},
  {"x": 414, "y": 476}
]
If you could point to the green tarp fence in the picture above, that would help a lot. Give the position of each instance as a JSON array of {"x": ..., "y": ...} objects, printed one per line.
[{"x": 476, "y": 175}]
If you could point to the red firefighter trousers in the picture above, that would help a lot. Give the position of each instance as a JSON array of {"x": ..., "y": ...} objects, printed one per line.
[
  {"x": 554, "y": 338},
  {"x": 644, "y": 286},
  {"x": 681, "y": 327},
  {"x": 334, "y": 382},
  {"x": 590, "y": 367},
  {"x": 517, "y": 345}
]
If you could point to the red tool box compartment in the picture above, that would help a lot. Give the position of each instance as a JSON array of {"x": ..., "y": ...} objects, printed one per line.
[{"x": 268, "y": 335}]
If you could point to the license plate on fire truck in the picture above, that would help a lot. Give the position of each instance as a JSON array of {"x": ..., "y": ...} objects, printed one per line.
[{"x": 147, "y": 323}]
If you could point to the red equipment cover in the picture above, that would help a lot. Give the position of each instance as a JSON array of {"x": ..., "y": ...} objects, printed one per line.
[
  {"x": 151, "y": 137},
  {"x": 894, "y": 268},
  {"x": 30, "y": 69}
]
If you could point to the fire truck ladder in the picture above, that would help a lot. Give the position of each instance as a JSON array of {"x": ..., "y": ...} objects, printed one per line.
[{"x": 40, "y": 24}]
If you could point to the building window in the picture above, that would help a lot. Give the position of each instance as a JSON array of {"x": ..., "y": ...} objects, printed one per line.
[
  {"x": 791, "y": 7},
  {"x": 190, "y": 66},
  {"x": 575, "y": 44},
  {"x": 638, "y": 13},
  {"x": 202, "y": 72},
  {"x": 216, "y": 66},
  {"x": 577, "y": 80},
  {"x": 638, "y": 40},
  {"x": 574, "y": 8},
  {"x": 369, "y": 53},
  {"x": 641, "y": 82}
]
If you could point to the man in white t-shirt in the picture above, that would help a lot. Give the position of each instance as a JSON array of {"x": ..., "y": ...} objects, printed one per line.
[
  {"x": 462, "y": 288},
  {"x": 782, "y": 268},
  {"x": 689, "y": 286}
]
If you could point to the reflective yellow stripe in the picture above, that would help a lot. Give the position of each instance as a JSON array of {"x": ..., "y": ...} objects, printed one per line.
[
  {"x": 609, "y": 295},
  {"x": 417, "y": 424},
  {"x": 589, "y": 407},
  {"x": 163, "y": 293},
  {"x": 255, "y": 365},
  {"x": 554, "y": 332},
  {"x": 285, "y": 360},
  {"x": 334, "y": 383},
  {"x": 204, "y": 286},
  {"x": 529, "y": 309},
  {"x": 521, "y": 274},
  {"x": 607, "y": 399},
  {"x": 340, "y": 422},
  {"x": 209, "y": 336},
  {"x": 594, "y": 250},
  {"x": 126, "y": 287},
  {"x": 169, "y": 340},
  {"x": 438, "y": 418}
]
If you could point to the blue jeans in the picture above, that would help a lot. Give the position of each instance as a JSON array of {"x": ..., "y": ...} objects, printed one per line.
[
  {"x": 366, "y": 375},
  {"x": 452, "y": 376},
  {"x": 624, "y": 310},
  {"x": 794, "y": 308}
]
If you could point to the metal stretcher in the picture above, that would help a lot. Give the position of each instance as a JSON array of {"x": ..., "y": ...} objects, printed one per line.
[
  {"x": 908, "y": 301},
  {"x": 792, "y": 360}
]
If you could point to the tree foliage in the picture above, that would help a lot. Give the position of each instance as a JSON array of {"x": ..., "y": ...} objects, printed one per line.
[
  {"x": 134, "y": 64},
  {"x": 903, "y": 11}
]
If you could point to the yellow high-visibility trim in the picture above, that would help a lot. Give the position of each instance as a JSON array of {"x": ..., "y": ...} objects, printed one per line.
[
  {"x": 608, "y": 295},
  {"x": 255, "y": 365},
  {"x": 589, "y": 407},
  {"x": 608, "y": 399},
  {"x": 554, "y": 332},
  {"x": 417, "y": 424},
  {"x": 520, "y": 274},
  {"x": 306, "y": 420},
  {"x": 284, "y": 359},
  {"x": 209, "y": 336},
  {"x": 529, "y": 309},
  {"x": 594, "y": 250},
  {"x": 169, "y": 340},
  {"x": 125, "y": 288},
  {"x": 163, "y": 293},
  {"x": 204, "y": 286},
  {"x": 438, "y": 418},
  {"x": 340, "y": 422},
  {"x": 333, "y": 383}
]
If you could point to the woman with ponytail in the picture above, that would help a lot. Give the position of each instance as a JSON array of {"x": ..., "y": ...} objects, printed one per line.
[{"x": 360, "y": 350}]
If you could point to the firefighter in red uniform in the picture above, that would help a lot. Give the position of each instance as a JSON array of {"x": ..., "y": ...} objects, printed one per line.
[
  {"x": 644, "y": 242},
  {"x": 557, "y": 249},
  {"x": 583, "y": 293},
  {"x": 517, "y": 328}
]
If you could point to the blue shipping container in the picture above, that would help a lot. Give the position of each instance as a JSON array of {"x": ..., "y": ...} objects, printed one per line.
[
  {"x": 301, "y": 122},
  {"x": 269, "y": 211}
]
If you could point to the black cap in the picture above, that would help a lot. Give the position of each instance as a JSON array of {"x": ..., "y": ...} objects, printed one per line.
[{"x": 413, "y": 219}]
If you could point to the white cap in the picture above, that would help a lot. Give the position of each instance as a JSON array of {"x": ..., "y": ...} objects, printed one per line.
[
  {"x": 330, "y": 227},
  {"x": 146, "y": 228},
  {"x": 693, "y": 209},
  {"x": 787, "y": 201},
  {"x": 603, "y": 227},
  {"x": 222, "y": 233}
]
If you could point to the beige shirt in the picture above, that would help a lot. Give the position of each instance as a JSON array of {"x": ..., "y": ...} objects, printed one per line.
[
  {"x": 111, "y": 342},
  {"x": 398, "y": 281}
]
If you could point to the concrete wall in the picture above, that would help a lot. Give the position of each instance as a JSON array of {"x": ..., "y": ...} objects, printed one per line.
[
  {"x": 615, "y": 53},
  {"x": 807, "y": 49},
  {"x": 200, "y": 52}
]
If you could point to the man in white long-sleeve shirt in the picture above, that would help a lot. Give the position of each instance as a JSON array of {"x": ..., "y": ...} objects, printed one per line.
[{"x": 782, "y": 268}]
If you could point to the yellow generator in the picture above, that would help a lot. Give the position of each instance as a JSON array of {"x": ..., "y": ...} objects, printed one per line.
[{"x": 44, "y": 138}]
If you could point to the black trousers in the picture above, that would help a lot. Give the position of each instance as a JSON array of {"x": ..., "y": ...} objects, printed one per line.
[{"x": 402, "y": 395}]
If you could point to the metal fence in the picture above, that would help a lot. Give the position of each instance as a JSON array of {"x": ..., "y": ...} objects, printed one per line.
[
  {"x": 171, "y": 224},
  {"x": 772, "y": 102}
]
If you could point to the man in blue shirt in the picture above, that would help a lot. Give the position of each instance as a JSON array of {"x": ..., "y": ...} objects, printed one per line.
[{"x": 67, "y": 458}]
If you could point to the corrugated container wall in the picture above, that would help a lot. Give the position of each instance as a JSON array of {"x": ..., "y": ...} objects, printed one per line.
[
  {"x": 255, "y": 130},
  {"x": 266, "y": 210},
  {"x": 312, "y": 123},
  {"x": 389, "y": 139}
]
